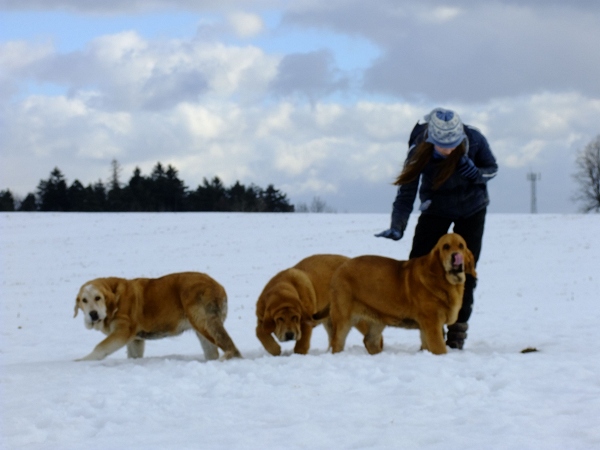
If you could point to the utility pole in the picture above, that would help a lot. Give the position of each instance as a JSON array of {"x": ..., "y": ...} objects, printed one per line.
[{"x": 533, "y": 177}]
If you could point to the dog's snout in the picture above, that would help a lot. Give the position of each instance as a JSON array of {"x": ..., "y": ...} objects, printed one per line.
[
  {"x": 457, "y": 259},
  {"x": 289, "y": 336},
  {"x": 94, "y": 316}
]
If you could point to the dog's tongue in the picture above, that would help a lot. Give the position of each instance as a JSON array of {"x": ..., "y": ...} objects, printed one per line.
[{"x": 457, "y": 259}]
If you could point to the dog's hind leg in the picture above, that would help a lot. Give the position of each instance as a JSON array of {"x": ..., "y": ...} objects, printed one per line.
[
  {"x": 329, "y": 329},
  {"x": 339, "y": 335},
  {"x": 135, "y": 349},
  {"x": 340, "y": 327},
  {"x": 208, "y": 321},
  {"x": 217, "y": 331},
  {"x": 211, "y": 351}
]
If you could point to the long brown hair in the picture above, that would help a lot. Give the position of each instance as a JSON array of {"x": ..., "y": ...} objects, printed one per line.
[{"x": 421, "y": 157}]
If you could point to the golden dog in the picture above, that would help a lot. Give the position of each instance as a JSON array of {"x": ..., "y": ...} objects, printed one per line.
[
  {"x": 422, "y": 293},
  {"x": 287, "y": 303},
  {"x": 131, "y": 311}
]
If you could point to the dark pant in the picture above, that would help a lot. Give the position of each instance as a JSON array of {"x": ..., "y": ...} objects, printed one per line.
[{"x": 431, "y": 228}]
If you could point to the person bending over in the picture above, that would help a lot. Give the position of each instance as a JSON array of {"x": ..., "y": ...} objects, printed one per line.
[{"x": 452, "y": 163}]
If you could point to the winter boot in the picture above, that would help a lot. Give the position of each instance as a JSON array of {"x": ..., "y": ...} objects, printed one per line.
[{"x": 457, "y": 333}]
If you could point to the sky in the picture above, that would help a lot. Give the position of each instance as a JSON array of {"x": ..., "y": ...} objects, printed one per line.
[{"x": 316, "y": 98}]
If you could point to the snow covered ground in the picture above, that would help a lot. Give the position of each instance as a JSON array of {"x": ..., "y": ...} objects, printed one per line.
[{"x": 539, "y": 287}]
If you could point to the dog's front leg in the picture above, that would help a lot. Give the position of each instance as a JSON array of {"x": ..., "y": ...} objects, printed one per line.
[
  {"x": 432, "y": 338},
  {"x": 119, "y": 338},
  {"x": 265, "y": 336},
  {"x": 303, "y": 344}
]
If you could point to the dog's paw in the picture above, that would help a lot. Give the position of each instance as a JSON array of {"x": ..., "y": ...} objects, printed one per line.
[
  {"x": 94, "y": 356},
  {"x": 275, "y": 350},
  {"x": 230, "y": 354}
]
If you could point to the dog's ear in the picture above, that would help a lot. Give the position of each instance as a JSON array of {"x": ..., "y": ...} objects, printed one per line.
[
  {"x": 76, "y": 307},
  {"x": 470, "y": 263},
  {"x": 112, "y": 293},
  {"x": 267, "y": 324},
  {"x": 435, "y": 258},
  {"x": 269, "y": 317}
]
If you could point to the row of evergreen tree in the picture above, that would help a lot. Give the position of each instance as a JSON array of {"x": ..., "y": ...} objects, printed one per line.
[{"x": 162, "y": 191}]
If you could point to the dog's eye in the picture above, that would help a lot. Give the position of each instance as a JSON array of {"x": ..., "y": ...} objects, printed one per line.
[
  {"x": 84, "y": 300},
  {"x": 461, "y": 246},
  {"x": 97, "y": 298},
  {"x": 446, "y": 247}
]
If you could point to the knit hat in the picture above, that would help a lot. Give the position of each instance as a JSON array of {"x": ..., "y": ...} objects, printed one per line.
[{"x": 445, "y": 129}]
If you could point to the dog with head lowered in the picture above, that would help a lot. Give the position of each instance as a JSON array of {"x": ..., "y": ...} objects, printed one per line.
[
  {"x": 422, "y": 293},
  {"x": 286, "y": 306},
  {"x": 131, "y": 311}
]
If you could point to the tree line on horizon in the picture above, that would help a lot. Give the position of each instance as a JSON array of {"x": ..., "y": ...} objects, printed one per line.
[{"x": 161, "y": 191}]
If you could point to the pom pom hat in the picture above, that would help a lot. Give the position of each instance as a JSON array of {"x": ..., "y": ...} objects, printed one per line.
[{"x": 444, "y": 129}]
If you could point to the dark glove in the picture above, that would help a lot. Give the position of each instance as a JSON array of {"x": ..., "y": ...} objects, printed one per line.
[
  {"x": 391, "y": 233},
  {"x": 467, "y": 168}
]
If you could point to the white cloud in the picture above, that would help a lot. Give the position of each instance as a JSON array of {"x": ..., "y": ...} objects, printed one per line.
[
  {"x": 530, "y": 129},
  {"x": 64, "y": 128},
  {"x": 296, "y": 159},
  {"x": 387, "y": 121},
  {"x": 525, "y": 155},
  {"x": 201, "y": 122},
  {"x": 440, "y": 14},
  {"x": 246, "y": 25},
  {"x": 115, "y": 48},
  {"x": 312, "y": 186},
  {"x": 15, "y": 55},
  {"x": 276, "y": 121},
  {"x": 126, "y": 71},
  {"x": 332, "y": 147}
]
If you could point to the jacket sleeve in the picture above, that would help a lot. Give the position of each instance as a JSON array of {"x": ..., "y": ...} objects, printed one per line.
[
  {"x": 483, "y": 158},
  {"x": 405, "y": 199}
]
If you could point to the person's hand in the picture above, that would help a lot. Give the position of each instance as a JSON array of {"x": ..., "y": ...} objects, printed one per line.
[
  {"x": 467, "y": 168},
  {"x": 391, "y": 233}
]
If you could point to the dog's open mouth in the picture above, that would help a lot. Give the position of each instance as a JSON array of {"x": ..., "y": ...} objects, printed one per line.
[{"x": 458, "y": 263}]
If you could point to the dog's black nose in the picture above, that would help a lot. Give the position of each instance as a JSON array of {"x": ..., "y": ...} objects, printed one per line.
[
  {"x": 94, "y": 316},
  {"x": 289, "y": 336}
]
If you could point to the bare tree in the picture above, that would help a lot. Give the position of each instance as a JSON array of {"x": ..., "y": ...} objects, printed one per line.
[
  {"x": 588, "y": 176},
  {"x": 317, "y": 205},
  {"x": 301, "y": 208}
]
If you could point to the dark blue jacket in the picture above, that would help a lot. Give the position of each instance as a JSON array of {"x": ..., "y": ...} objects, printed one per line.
[{"x": 458, "y": 197}]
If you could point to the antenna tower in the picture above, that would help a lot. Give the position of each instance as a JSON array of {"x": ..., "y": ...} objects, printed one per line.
[{"x": 533, "y": 177}]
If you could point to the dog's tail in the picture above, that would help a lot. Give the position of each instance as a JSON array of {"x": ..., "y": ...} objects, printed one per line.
[{"x": 323, "y": 314}]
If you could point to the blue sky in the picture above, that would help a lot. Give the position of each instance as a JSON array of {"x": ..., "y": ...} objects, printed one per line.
[
  {"x": 315, "y": 98},
  {"x": 71, "y": 31}
]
